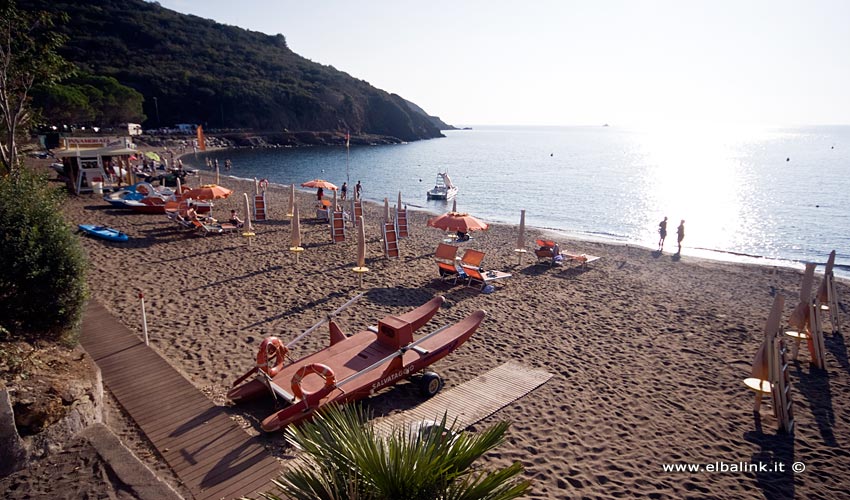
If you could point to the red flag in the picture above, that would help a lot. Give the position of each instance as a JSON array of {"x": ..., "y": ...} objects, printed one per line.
[{"x": 202, "y": 143}]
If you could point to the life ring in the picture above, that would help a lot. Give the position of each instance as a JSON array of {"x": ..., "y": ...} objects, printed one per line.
[
  {"x": 271, "y": 347},
  {"x": 318, "y": 368},
  {"x": 264, "y": 184}
]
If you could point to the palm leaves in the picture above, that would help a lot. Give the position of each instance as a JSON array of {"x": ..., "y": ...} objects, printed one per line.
[{"x": 343, "y": 458}]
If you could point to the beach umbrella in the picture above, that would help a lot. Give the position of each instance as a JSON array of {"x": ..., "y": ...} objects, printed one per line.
[
  {"x": 520, "y": 240},
  {"x": 399, "y": 206},
  {"x": 454, "y": 221},
  {"x": 387, "y": 216},
  {"x": 319, "y": 183},
  {"x": 295, "y": 237},
  {"x": 209, "y": 192},
  {"x": 249, "y": 229},
  {"x": 454, "y": 205},
  {"x": 289, "y": 212},
  {"x": 361, "y": 251},
  {"x": 153, "y": 156},
  {"x": 333, "y": 207}
]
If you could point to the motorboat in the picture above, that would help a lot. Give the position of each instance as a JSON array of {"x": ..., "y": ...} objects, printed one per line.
[{"x": 443, "y": 188}]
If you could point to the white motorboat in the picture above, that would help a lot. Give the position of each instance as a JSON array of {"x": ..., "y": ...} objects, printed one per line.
[{"x": 443, "y": 188}]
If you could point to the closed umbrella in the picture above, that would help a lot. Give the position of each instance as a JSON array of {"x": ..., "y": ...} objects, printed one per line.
[
  {"x": 249, "y": 229},
  {"x": 454, "y": 205},
  {"x": 387, "y": 216},
  {"x": 291, "y": 201},
  {"x": 399, "y": 206},
  {"x": 361, "y": 251},
  {"x": 295, "y": 237},
  {"x": 520, "y": 240}
]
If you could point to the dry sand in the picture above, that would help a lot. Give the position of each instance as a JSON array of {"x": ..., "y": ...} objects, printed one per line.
[{"x": 648, "y": 352}]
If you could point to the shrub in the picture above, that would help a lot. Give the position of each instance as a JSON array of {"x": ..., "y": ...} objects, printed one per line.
[{"x": 42, "y": 266}]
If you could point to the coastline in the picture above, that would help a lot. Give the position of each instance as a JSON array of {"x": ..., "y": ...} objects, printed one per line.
[{"x": 642, "y": 348}]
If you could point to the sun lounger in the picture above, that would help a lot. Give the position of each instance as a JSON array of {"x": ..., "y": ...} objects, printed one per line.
[
  {"x": 582, "y": 259},
  {"x": 472, "y": 258},
  {"x": 205, "y": 229},
  {"x": 546, "y": 252},
  {"x": 446, "y": 265},
  {"x": 475, "y": 275}
]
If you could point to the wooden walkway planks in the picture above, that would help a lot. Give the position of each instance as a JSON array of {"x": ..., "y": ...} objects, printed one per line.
[
  {"x": 212, "y": 455},
  {"x": 473, "y": 400}
]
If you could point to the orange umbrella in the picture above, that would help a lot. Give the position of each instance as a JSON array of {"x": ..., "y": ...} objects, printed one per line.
[
  {"x": 208, "y": 192},
  {"x": 454, "y": 221},
  {"x": 319, "y": 183}
]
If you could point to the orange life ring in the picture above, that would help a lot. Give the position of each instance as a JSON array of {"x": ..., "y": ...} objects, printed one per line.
[
  {"x": 317, "y": 368},
  {"x": 264, "y": 184},
  {"x": 270, "y": 348}
]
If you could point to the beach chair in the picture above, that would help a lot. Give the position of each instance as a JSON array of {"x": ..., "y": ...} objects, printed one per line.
[
  {"x": 445, "y": 258},
  {"x": 546, "y": 252},
  {"x": 482, "y": 278},
  {"x": 179, "y": 220},
  {"x": 472, "y": 258},
  {"x": 205, "y": 229},
  {"x": 390, "y": 241},
  {"x": 582, "y": 259}
]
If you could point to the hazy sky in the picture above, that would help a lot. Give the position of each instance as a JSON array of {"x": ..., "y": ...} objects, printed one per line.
[{"x": 583, "y": 62}]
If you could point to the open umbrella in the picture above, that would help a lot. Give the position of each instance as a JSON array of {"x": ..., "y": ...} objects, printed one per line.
[
  {"x": 153, "y": 156},
  {"x": 208, "y": 192},
  {"x": 454, "y": 221},
  {"x": 319, "y": 183}
]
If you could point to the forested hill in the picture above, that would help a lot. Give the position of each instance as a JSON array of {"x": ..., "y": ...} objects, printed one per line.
[{"x": 194, "y": 70}]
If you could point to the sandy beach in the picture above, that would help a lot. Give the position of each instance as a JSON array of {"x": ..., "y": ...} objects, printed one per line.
[{"x": 648, "y": 352}]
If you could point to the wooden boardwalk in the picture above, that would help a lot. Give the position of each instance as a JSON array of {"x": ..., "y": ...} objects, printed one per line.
[
  {"x": 471, "y": 401},
  {"x": 207, "y": 450}
]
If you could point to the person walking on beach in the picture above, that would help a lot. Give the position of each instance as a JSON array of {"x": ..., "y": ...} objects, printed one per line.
[
  {"x": 344, "y": 190},
  {"x": 680, "y": 232},
  {"x": 662, "y": 234},
  {"x": 358, "y": 189}
]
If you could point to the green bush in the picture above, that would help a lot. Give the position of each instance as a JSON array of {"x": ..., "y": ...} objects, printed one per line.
[{"x": 42, "y": 266}]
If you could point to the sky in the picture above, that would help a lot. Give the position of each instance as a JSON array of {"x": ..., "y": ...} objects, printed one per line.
[{"x": 577, "y": 62}]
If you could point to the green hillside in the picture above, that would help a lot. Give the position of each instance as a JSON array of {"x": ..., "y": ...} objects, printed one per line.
[{"x": 194, "y": 70}]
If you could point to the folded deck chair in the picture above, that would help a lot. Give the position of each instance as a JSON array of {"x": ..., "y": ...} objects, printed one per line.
[
  {"x": 180, "y": 220},
  {"x": 445, "y": 258}
]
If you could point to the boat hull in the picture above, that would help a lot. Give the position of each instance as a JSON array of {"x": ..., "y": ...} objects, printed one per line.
[
  {"x": 365, "y": 352},
  {"x": 103, "y": 232}
]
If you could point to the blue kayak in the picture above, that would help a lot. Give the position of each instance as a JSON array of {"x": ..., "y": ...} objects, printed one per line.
[{"x": 104, "y": 232}]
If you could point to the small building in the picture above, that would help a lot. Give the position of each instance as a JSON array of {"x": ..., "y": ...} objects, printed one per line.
[
  {"x": 86, "y": 161},
  {"x": 133, "y": 129}
]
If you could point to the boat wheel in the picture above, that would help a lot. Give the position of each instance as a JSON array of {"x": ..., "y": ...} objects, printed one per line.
[{"x": 430, "y": 384}]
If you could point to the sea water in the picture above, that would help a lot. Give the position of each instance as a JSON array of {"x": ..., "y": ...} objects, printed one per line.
[{"x": 776, "y": 196}]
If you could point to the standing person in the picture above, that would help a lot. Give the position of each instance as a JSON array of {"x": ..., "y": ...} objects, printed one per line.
[
  {"x": 320, "y": 194},
  {"x": 662, "y": 233},
  {"x": 681, "y": 235},
  {"x": 344, "y": 190},
  {"x": 358, "y": 189}
]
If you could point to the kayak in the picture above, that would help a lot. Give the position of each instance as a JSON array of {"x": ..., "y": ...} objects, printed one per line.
[{"x": 104, "y": 232}]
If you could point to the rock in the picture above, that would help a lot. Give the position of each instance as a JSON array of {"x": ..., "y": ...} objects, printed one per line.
[{"x": 13, "y": 454}]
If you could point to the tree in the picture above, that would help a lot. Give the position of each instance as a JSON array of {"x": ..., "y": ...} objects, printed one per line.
[
  {"x": 42, "y": 282},
  {"x": 86, "y": 99},
  {"x": 344, "y": 459},
  {"x": 28, "y": 56}
]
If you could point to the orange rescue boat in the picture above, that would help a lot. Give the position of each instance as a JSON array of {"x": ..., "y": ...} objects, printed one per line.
[{"x": 354, "y": 367}]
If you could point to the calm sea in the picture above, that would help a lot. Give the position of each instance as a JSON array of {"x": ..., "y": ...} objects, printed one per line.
[{"x": 769, "y": 196}]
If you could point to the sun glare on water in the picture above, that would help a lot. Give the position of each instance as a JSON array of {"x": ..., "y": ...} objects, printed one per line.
[{"x": 696, "y": 174}]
